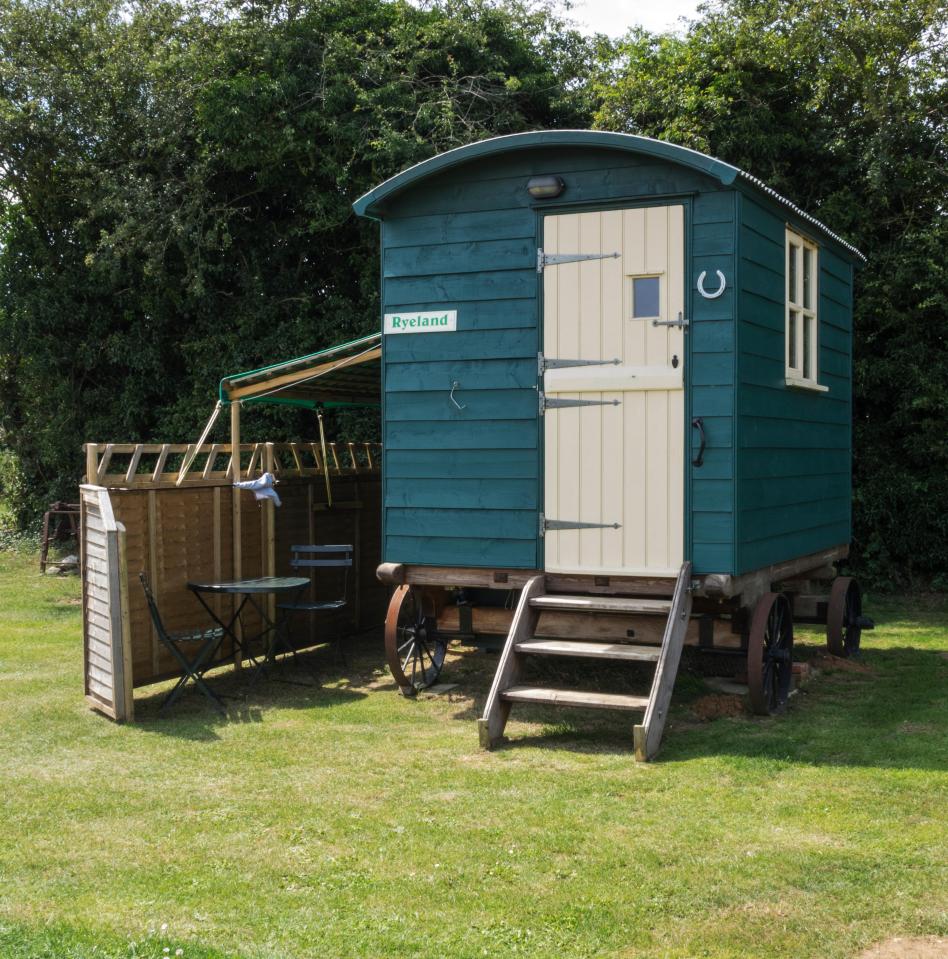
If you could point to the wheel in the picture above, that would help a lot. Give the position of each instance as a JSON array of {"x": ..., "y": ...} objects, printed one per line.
[
  {"x": 770, "y": 654},
  {"x": 413, "y": 648},
  {"x": 844, "y": 617}
]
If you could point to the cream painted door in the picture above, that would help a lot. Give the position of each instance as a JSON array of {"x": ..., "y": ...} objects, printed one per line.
[{"x": 615, "y": 464}]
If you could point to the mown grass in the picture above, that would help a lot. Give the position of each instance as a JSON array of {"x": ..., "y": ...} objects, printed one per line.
[{"x": 346, "y": 821}]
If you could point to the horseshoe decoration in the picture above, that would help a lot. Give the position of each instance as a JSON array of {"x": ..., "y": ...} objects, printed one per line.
[{"x": 721, "y": 287}]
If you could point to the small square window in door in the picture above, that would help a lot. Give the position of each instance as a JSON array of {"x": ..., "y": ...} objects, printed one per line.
[{"x": 646, "y": 296}]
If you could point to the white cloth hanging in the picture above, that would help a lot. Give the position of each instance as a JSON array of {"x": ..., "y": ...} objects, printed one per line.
[{"x": 262, "y": 488}]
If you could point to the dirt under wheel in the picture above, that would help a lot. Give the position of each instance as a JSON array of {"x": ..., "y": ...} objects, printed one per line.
[
  {"x": 844, "y": 617},
  {"x": 770, "y": 655},
  {"x": 413, "y": 648}
]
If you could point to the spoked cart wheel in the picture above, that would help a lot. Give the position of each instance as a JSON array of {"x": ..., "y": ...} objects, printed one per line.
[
  {"x": 770, "y": 654},
  {"x": 413, "y": 648},
  {"x": 844, "y": 619}
]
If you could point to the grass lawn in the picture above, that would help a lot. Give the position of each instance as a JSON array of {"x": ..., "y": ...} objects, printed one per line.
[{"x": 345, "y": 821}]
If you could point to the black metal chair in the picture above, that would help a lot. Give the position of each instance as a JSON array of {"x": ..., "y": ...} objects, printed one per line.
[
  {"x": 204, "y": 642},
  {"x": 308, "y": 558}
]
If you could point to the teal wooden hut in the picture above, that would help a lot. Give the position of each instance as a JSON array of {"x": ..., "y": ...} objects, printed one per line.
[{"x": 613, "y": 364}]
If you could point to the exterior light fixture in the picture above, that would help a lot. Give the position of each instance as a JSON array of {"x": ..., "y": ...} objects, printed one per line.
[{"x": 545, "y": 187}]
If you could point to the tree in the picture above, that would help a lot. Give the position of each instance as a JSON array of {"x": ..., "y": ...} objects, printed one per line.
[
  {"x": 177, "y": 180},
  {"x": 842, "y": 105}
]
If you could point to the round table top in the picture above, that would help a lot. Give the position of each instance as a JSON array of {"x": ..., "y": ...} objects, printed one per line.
[{"x": 262, "y": 584}]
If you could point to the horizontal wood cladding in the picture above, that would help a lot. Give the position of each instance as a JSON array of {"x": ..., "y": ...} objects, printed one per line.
[
  {"x": 477, "y": 403},
  {"x": 511, "y": 314},
  {"x": 471, "y": 464},
  {"x": 481, "y": 550},
  {"x": 500, "y": 374},
  {"x": 463, "y": 486},
  {"x": 504, "y": 523},
  {"x": 462, "y": 492},
  {"x": 793, "y": 445},
  {"x": 472, "y": 256},
  {"x": 462, "y": 345}
]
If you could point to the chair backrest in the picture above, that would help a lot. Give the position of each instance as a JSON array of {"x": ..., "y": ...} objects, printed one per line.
[
  {"x": 152, "y": 605},
  {"x": 304, "y": 557},
  {"x": 323, "y": 557}
]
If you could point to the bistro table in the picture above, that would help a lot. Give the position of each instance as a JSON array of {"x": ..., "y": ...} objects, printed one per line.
[{"x": 248, "y": 589}]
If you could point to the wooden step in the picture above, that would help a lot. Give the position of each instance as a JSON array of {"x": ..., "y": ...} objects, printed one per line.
[
  {"x": 590, "y": 650},
  {"x": 601, "y": 604},
  {"x": 573, "y": 697}
]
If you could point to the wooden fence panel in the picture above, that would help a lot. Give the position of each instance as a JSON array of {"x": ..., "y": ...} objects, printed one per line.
[
  {"x": 182, "y": 534},
  {"x": 105, "y": 622}
]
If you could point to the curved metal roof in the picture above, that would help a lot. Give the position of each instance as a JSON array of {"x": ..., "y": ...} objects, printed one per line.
[{"x": 370, "y": 204}]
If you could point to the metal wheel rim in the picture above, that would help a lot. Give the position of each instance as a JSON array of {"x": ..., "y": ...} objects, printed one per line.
[
  {"x": 413, "y": 648},
  {"x": 843, "y": 617},
  {"x": 770, "y": 655}
]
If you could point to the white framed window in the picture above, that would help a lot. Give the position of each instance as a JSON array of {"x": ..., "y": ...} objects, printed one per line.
[{"x": 802, "y": 316}]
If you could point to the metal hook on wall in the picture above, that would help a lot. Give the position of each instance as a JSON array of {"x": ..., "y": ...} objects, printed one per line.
[{"x": 454, "y": 386}]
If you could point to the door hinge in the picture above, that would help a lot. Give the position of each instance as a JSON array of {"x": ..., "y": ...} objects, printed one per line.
[
  {"x": 681, "y": 322},
  {"x": 552, "y": 525},
  {"x": 557, "y": 404},
  {"x": 554, "y": 259},
  {"x": 543, "y": 364}
]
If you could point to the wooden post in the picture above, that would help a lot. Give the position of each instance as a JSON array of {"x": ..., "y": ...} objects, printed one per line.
[
  {"x": 92, "y": 463},
  {"x": 216, "y": 535},
  {"x": 269, "y": 543},
  {"x": 356, "y": 555},
  {"x": 128, "y": 714},
  {"x": 156, "y": 583},
  {"x": 311, "y": 513},
  {"x": 235, "y": 507}
]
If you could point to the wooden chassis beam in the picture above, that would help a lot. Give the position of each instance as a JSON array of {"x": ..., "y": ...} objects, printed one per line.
[{"x": 749, "y": 587}]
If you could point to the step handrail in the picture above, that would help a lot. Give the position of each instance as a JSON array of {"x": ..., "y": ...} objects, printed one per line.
[
  {"x": 648, "y": 735},
  {"x": 490, "y": 727}
]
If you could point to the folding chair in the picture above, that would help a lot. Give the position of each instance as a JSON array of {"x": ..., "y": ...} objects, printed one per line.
[
  {"x": 206, "y": 642},
  {"x": 307, "y": 558}
]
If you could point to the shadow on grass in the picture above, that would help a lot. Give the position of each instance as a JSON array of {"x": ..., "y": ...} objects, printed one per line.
[
  {"x": 889, "y": 710},
  {"x": 319, "y": 684}
]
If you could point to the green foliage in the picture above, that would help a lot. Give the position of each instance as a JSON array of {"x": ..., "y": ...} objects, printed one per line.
[
  {"x": 178, "y": 179},
  {"x": 843, "y": 107}
]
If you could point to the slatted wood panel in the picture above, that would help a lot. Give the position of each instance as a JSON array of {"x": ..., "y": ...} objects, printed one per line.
[
  {"x": 354, "y": 517},
  {"x": 620, "y": 464},
  {"x": 181, "y": 534},
  {"x": 106, "y": 665}
]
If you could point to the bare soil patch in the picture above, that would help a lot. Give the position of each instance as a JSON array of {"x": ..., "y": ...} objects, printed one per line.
[
  {"x": 839, "y": 664},
  {"x": 717, "y": 705},
  {"x": 922, "y": 947}
]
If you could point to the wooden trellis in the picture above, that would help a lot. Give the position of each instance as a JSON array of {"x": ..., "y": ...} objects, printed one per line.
[{"x": 157, "y": 465}]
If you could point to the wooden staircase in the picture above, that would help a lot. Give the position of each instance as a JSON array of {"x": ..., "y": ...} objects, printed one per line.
[{"x": 508, "y": 688}]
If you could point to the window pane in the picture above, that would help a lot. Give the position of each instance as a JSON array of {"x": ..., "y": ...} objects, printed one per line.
[
  {"x": 807, "y": 341},
  {"x": 793, "y": 256},
  {"x": 792, "y": 336},
  {"x": 807, "y": 279},
  {"x": 645, "y": 296}
]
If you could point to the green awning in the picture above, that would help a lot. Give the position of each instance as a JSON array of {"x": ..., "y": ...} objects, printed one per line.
[{"x": 346, "y": 375}]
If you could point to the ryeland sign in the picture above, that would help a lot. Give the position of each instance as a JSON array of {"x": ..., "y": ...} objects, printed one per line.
[{"x": 433, "y": 321}]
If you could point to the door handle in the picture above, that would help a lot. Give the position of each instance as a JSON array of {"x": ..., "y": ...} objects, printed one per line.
[{"x": 698, "y": 424}]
